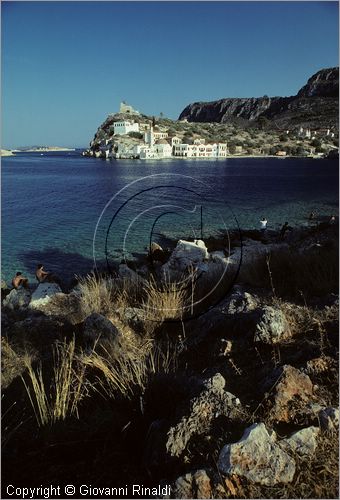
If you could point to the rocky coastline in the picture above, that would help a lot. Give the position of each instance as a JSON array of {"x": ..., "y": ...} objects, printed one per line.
[{"x": 127, "y": 379}]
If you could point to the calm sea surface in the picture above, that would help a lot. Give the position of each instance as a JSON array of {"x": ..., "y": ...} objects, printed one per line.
[{"x": 62, "y": 209}]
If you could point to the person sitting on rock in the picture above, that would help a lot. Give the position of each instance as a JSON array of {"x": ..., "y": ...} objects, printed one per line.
[
  {"x": 45, "y": 277},
  {"x": 19, "y": 281},
  {"x": 41, "y": 275},
  {"x": 284, "y": 229}
]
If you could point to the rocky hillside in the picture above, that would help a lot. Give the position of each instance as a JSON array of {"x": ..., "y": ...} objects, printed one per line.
[
  {"x": 119, "y": 382},
  {"x": 315, "y": 105}
]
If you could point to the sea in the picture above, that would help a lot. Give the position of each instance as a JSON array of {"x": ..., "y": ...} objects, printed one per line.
[{"x": 75, "y": 214}]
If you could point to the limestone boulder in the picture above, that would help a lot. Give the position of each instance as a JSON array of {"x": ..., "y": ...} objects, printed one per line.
[
  {"x": 212, "y": 402},
  {"x": 329, "y": 419},
  {"x": 43, "y": 294},
  {"x": 240, "y": 302},
  {"x": 66, "y": 306},
  {"x": 39, "y": 332},
  {"x": 17, "y": 299},
  {"x": 303, "y": 442},
  {"x": 97, "y": 327},
  {"x": 292, "y": 394},
  {"x": 187, "y": 254},
  {"x": 258, "y": 458},
  {"x": 271, "y": 326},
  {"x": 193, "y": 485},
  {"x": 128, "y": 274}
]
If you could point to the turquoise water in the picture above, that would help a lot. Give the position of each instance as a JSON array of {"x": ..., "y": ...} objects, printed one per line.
[{"x": 52, "y": 203}]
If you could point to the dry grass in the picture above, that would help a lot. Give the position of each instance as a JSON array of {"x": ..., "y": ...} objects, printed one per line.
[
  {"x": 60, "y": 397},
  {"x": 130, "y": 373},
  {"x": 165, "y": 300},
  {"x": 13, "y": 362},
  {"x": 96, "y": 294}
]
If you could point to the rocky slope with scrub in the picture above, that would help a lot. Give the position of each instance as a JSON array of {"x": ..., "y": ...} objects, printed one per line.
[{"x": 131, "y": 378}]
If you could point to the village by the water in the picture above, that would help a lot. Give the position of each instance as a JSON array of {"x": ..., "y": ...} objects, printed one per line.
[{"x": 129, "y": 134}]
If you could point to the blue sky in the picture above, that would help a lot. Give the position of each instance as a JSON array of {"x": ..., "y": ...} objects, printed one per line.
[{"x": 67, "y": 65}]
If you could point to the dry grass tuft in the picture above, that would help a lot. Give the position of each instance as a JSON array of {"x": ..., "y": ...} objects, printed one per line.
[
  {"x": 13, "y": 362},
  {"x": 60, "y": 398},
  {"x": 129, "y": 374},
  {"x": 164, "y": 300}
]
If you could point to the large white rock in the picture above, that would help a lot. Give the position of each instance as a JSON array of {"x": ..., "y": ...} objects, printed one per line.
[
  {"x": 302, "y": 442},
  {"x": 257, "y": 457},
  {"x": 43, "y": 294},
  {"x": 185, "y": 255},
  {"x": 17, "y": 299}
]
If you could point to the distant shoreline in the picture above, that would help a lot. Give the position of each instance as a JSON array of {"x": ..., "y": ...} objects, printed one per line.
[{"x": 47, "y": 149}]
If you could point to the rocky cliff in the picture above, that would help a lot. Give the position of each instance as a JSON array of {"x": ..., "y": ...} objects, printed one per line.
[{"x": 315, "y": 105}]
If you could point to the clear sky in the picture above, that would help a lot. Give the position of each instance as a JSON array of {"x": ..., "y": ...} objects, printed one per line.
[{"x": 67, "y": 65}]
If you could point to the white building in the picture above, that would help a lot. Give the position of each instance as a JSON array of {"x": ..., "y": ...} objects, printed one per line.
[
  {"x": 124, "y": 127},
  {"x": 175, "y": 140},
  {"x": 147, "y": 153},
  {"x": 162, "y": 149},
  {"x": 201, "y": 150}
]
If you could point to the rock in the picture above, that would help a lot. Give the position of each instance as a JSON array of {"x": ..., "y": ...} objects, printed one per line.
[
  {"x": 329, "y": 418},
  {"x": 251, "y": 252},
  {"x": 186, "y": 254},
  {"x": 4, "y": 320},
  {"x": 128, "y": 274},
  {"x": 258, "y": 458},
  {"x": 38, "y": 331},
  {"x": 64, "y": 306},
  {"x": 98, "y": 327},
  {"x": 4, "y": 285},
  {"x": 271, "y": 327},
  {"x": 43, "y": 293},
  {"x": 157, "y": 253},
  {"x": 134, "y": 316},
  {"x": 193, "y": 485},
  {"x": 212, "y": 402},
  {"x": 302, "y": 442},
  {"x": 319, "y": 365},
  {"x": 17, "y": 299},
  {"x": 240, "y": 302},
  {"x": 183, "y": 487},
  {"x": 292, "y": 393},
  {"x": 202, "y": 484}
]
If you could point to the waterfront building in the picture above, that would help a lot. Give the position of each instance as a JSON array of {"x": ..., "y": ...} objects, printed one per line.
[
  {"x": 201, "y": 150},
  {"x": 162, "y": 149}
]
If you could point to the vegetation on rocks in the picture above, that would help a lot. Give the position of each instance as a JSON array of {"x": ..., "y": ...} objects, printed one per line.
[{"x": 136, "y": 383}]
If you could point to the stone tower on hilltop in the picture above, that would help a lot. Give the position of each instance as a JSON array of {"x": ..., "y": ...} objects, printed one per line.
[{"x": 127, "y": 109}]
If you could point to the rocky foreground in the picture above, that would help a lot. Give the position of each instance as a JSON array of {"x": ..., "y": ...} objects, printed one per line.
[{"x": 123, "y": 380}]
